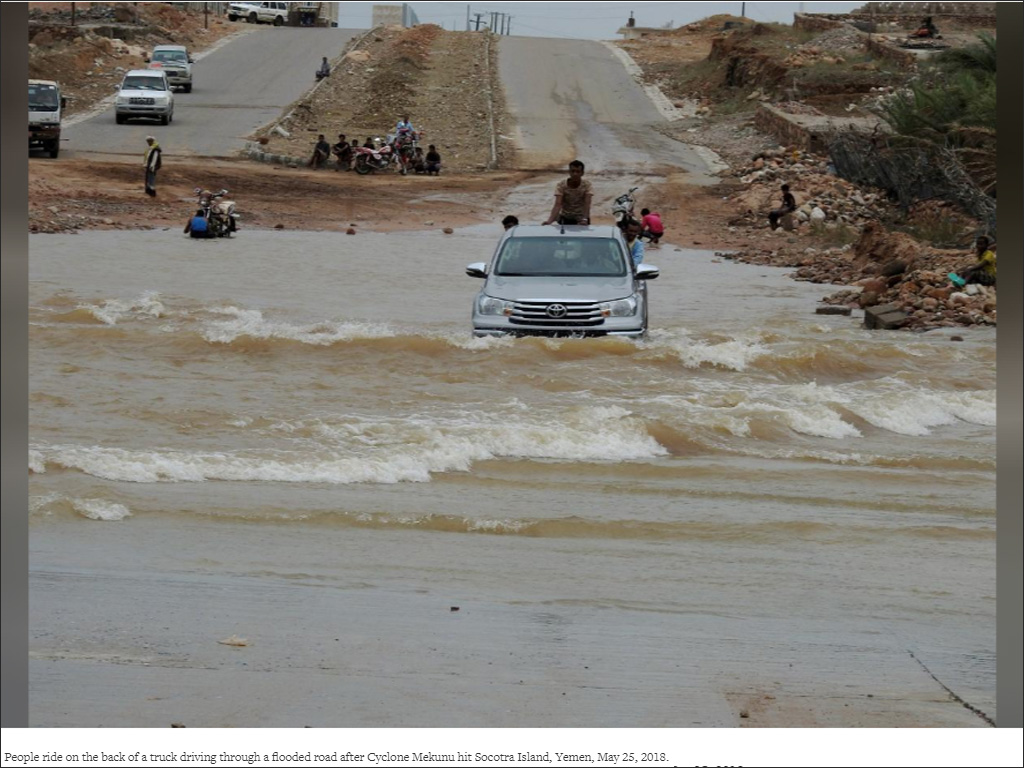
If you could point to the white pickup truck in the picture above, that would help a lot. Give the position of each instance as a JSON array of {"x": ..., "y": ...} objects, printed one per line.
[{"x": 45, "y": 106}]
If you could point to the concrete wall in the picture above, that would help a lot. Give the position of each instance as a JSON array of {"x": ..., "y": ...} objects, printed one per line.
[{"x": 807, "y": 132}]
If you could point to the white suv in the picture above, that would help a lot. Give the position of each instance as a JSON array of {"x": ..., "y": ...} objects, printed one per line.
[
  {"x": 175, "y": 61},
  {"x": 144, "y": 93},
  {"x": 259, "y": 13}
]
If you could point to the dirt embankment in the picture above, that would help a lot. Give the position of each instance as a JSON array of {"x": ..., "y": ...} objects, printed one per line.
[
  {"x": 89, "y": 58},
  {"x": 445, "y": 81},
  {"x": 841, "y": 233}
]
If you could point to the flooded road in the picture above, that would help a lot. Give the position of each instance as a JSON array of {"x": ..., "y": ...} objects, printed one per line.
[{"x": 294, "y": 438}]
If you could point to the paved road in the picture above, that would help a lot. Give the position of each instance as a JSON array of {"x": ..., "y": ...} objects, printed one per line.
[
  {"x": 574, "y": 98},
  {"x": 237, "y": 88}
]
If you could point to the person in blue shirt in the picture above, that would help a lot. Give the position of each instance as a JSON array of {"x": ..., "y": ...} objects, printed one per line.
[
  {"x": 633, "y": 242},
  {"x": 198, "y": 226},
  {"x": 404, "y": 127}
]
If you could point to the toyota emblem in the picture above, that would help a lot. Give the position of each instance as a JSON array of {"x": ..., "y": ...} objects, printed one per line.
[{"x": 556, "y": 310}]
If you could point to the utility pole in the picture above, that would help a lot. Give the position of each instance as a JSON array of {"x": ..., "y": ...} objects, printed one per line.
[
  {"x": 743, "y": 10},
  {"x": 478, "y": 21},
  {"x": 72, "y": 14},
  {"x": 494, "y": 19},
  {"x": 467, "y": 18},
  {"x": 508, "y": 28},
  {"x": 206, "y": 15}
]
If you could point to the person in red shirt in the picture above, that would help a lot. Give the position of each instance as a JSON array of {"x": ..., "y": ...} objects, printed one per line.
[{"x": 653, "y": 229}]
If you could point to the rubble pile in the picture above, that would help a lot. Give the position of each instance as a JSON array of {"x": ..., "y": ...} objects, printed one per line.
[
  {"x": 822, "y": 197},
  {"x": 833, "y": 46}
]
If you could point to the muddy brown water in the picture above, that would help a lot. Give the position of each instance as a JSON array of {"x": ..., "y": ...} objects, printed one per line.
[{"x": 754, "y": 498}]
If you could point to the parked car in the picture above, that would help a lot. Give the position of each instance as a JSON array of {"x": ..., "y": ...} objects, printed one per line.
[
  {"x": 259, "y": 13},
  {"x": 175, "y": 61},
  {"x": 561, "y": 281},
  {"x": 144, "y": 93}
]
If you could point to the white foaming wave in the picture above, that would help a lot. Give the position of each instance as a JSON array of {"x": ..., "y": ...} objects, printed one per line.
[
  {"x": 804, "y": 408},
  {"x": 113, "y": 310},
  {"x": 98, "y": 509},
  {"x": 36, "y": 462},
  {"x": 915, "y": 412},
  {"x": 734, "y": 354},
  {"x": 40, "y": 504},
  {"x": 94, "y": 509},
  {"x": 251, "y": 323},
  {"x": 381, "y": 452},
  {"x": 601, "y": 433},
  {"x": 475, "y": 343}
]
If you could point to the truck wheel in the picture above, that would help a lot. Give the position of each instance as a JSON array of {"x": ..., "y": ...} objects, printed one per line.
[
  {"x": 55, "y": 148},
  {"x": 232, "y": 17},
  {"x": 253, "y": 19},
  {"x": 278, "y": 21},
  {"x": 165, "y": 119},
  {"x": 187, "y": 88},
  {"x": 119, "y": 119}
]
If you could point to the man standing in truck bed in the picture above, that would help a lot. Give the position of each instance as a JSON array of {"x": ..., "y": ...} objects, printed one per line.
[{"x": 572, "y": 198}]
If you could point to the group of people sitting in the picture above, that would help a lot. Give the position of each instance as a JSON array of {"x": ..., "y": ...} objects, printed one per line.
[{"x": 428, "y": 163}]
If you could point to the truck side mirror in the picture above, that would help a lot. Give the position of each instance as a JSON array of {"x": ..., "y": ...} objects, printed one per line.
[{"x": 63, "y": 102}]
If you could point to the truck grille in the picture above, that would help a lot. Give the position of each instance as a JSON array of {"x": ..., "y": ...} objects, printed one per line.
[
  {"x": 550, "y": 314},
  {"x": 142, "y": 100}
]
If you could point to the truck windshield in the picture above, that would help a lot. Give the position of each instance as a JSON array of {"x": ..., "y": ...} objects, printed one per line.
[
  {"x": 42, "y": 98},
  {"x": 143, "y": 83},
  {"x": 561, "y": 257}
]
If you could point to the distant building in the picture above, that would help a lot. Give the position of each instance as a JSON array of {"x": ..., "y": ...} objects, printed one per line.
[{"x": 394, "y": 15}]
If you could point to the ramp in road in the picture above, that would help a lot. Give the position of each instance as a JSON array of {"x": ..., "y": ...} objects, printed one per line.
[
  {"x": 574, "y": 98},
  {"x": 237, "y": 88}
]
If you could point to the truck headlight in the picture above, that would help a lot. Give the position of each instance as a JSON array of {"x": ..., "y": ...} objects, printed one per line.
[
  {"x": 619, "y": 307},
  {"x": 488, "y": 305}
]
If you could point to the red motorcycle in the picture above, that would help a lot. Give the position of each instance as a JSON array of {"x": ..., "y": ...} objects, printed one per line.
[{"x": 366, "y": 160}]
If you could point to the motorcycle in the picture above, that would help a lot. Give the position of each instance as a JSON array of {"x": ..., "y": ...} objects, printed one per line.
[
  {"x": 220, "y": 216},
  {"x": 366, "y": 160},
  {"x": 622, "y": 207}
]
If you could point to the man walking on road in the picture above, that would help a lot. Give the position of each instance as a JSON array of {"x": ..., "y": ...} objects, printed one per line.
[
  {"x": 572, "y": 198},
  {"x": 152, "y": 164}
]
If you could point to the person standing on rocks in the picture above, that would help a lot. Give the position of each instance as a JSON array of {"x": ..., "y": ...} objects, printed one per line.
[
  {"x": 572, "y": 198},
  {"x": 788, "y": 206},
  {"x": 152, "y": 164}
]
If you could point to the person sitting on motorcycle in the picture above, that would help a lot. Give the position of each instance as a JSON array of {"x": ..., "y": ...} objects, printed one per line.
[
  {"x": 404, "y": 128},
  {"x": 433, "y": 161},
  {"x": 369, "y": 143},
  {"x": 324, "y": 71},
  {"x": 343, "y": 152},
  {"x": 572, "y": 198},
  {"x": 321, "y": 152}
]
